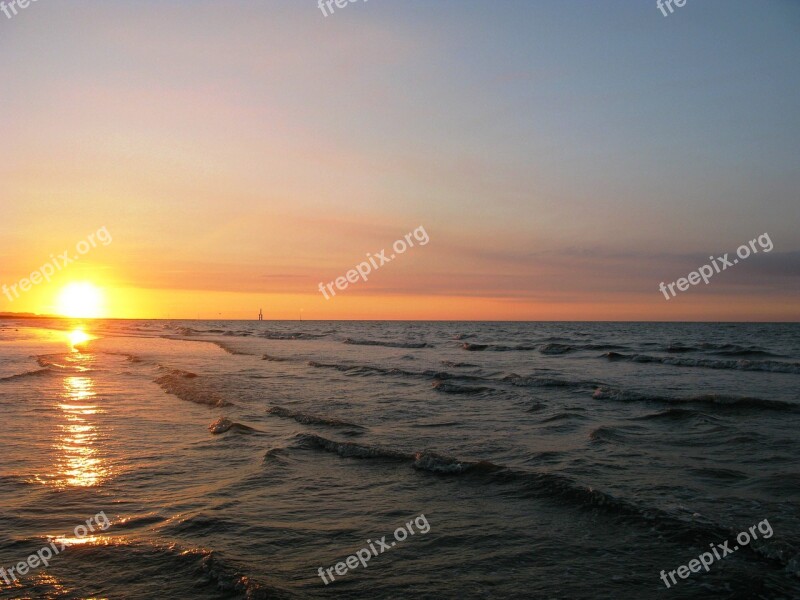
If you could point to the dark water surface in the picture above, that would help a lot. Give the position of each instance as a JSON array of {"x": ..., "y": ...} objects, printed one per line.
[{"x": 551, "y": 460}]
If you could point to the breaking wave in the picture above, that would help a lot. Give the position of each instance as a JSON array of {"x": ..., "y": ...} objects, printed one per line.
[
  {"x": 188, "y": 386},
  {"x": 673, "y": 524},
  {"x": 424, "y": 461},
  {"x": 34, "y": 373},
  {"x": 271, "y": 358},
  {"x": 603, "y": 393},
  {"x": 710, "y": 363},
  {"x": 374, "y": 370},
  {"x": 223, "y": 425},
  {"x": 306, "y": 419},
  {"x": 277, "y": 335},
  {"x": 350, "y": 449},
  {"x": 354, "y": 342}
]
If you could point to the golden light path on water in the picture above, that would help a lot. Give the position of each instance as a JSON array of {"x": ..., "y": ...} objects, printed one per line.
[{"x": 79, "y": 461}]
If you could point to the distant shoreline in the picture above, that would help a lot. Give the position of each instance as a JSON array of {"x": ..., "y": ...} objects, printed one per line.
[{"x": 10, "y": 316}]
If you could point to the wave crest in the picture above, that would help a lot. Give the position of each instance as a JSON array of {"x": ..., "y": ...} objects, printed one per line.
[
  {"x": 188, "y": 386},
  {"x": 604, "y": 393},
  {"x": 355, "y": 342},
  {"x": 307, "y": 419},
  {"x": 772, "y": 366}
]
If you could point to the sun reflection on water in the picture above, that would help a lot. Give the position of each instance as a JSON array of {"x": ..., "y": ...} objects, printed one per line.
[
  {"x": 76, "y": 337},
  {"x": 94, "y": 540},
  {"x": 79, "y": 462}
]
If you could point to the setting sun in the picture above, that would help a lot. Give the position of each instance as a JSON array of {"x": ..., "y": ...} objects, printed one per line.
[{"x": 80, "y": 300}]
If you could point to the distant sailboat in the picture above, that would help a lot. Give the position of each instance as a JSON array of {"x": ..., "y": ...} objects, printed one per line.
[{"x": 260, "y": 314}]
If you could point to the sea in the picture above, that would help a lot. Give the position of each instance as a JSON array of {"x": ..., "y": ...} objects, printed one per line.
[{"x": 239, "y": 459}]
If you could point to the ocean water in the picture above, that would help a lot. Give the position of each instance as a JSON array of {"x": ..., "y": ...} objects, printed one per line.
[{"x": 550, "y": 460}]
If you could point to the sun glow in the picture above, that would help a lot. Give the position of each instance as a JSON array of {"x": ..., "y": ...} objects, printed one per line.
[
  {"x": 81, "y": 301},
  {"x": 78, "y": 336}
]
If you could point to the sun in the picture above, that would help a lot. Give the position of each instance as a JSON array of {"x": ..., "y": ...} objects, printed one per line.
[{"x": 81, "y": 301}]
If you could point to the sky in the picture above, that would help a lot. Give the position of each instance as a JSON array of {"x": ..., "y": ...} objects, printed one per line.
[{"x": 563, "y": 157}]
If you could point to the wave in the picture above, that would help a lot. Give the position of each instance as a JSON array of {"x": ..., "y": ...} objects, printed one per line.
[
  {"x": 19, "y": 480},
  {"x": 439, "y": 463},
  {"x": 424, "y": 461},
  {"x": 50, "y": 360},
  {"x": 563, "y": 416},
  {"x": 718, "y": 474},
  {"x": 721, "y": 349},
  {"x": 350, "y": 449},
  {"x": 142, "y": 520},
  {"x": 470, "y": 347},
  {"x": 193, "y": 572},
  {"x": 228, "y": 349},
  {"x": 710, "y": 399},
  {"x": 230, "y": 579},
  {"x": 673, "y": 525},
  {"x": 601, "y": 347},
  {"x": 744, "y": 352},
  {"x": 132, "y": 358},
  {"x": 710, "y": 363},
  {"x": 551, "y": 348},
  {"x": 275, "y": 358},
  {"x": 277, "y": 335},
  {"x": 274, "y": 454},
  {"x": 536, "y": 381},
  {"x": 672, "y": 414},
  {"x": 474, "y": 347},
  {"x": 605, "y": 434},
  {"x": 452, "y": 388},
  {"x": 678, "y": 348},
  {"x": 354, "y": 342},
  {"x": 306, "y": 419},
  {"x": 555, "y": 348},
  {"x": 374, "y": 370},
  {"x": 185, "y": 385},
  {"x": 361, "y": 369},
  {"x": 458, "y": 365},
  {"x": 223, "y": 425},
  {"x": 34, "y": 373}
]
